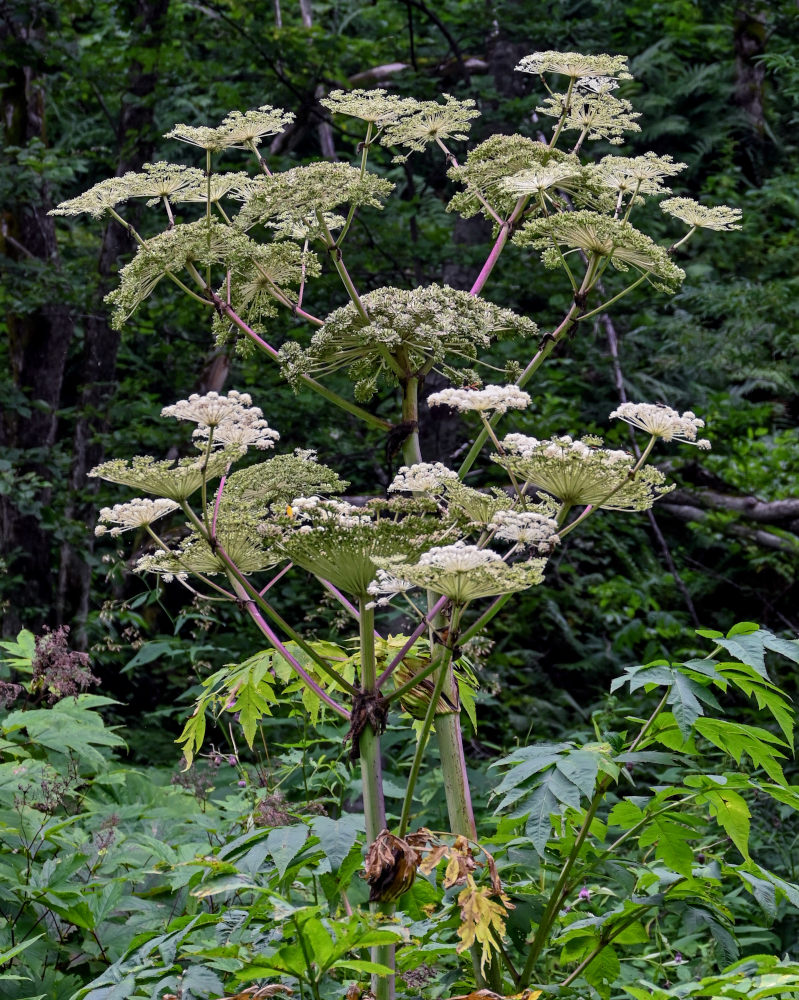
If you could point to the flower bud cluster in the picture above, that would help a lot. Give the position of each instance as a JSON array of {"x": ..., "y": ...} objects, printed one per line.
[
  {"x": 424, "y": 477},
  {"x": 527, "y": 529},
  {"x": 581, "y": 472},
  {"x": 134, "y": 514},
  {"x": 500, "y": 398},
  {"x": 663, "y": 422}
]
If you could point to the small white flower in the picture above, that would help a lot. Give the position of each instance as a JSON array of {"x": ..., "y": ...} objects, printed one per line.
[
  {"x": 211, "y": 409},
  {"x": 526, "y": 528},
  {"x": 663, "y": 422},
  {"x": 133, "y": 514},
  {"x": 385, "y": 587},
  {"x": 424, "y": 477},
  {"x": 500, "y": 398},
  {"x": 249, "y": 431}
]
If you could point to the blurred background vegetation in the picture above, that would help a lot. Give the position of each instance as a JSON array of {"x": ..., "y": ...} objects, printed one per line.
[{"x": 87, "y": 90}]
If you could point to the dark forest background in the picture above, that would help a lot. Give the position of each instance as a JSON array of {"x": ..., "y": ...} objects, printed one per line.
[{"x": 87, "y": 90}]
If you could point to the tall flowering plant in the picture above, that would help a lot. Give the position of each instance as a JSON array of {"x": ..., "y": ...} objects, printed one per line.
[{"x": 246, "y": 246}]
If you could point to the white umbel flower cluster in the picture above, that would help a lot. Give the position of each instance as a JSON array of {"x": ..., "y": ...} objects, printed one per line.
[
  {"x": 385, "y": 587},
  {"x": 582, "y": 472},
  {"x": 424, "y": 477},
  {"x": 499, "y": 398},
  {"x": 663, "y": 422},
  {"x": 465, "y": 572},
  {"x": 232, "y": 418},
  {"x": 338, "y": 512},
  {"x": 133, "y": 514},
  {"x": 527, "y": 529}
]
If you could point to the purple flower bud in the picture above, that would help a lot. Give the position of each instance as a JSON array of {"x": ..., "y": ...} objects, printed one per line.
[
  {"x": 232, "y": 760},
  {"x": 584, "y": 893},
  {"x": 678, "y": 958},
  {"x": 242, "y": 783}
]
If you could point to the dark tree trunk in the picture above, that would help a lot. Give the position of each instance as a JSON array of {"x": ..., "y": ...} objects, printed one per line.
[
  {"x": 38, "y": 341},
  {"x": 96, "y": 376}
]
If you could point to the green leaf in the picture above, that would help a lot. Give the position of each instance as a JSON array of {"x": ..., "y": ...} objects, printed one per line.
[
  {"x": 581, "y": 768},
  {"x": 363, "y": 966},
  {"x": 21, "y": 653},
  {"x": 284, "y": 844},
  {"x": 737, "y": 739},
  {"x": 337, "y": 836},
  {"x": 670, "y": 838},
  {"x": 731, "y": 813},
  {"x": 764, "y": 892},
  {"x": 603, "y": 971}
]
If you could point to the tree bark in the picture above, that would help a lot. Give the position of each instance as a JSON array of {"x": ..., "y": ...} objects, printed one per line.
[
  {"x": 38, "y": 341},
  {"x": 135, "y": 139}
]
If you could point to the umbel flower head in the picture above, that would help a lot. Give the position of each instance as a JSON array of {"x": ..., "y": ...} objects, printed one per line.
[
  {"x": 636, "y": 174},
  {"x": 663, "y": 422},
  {"x": 101, "y": 197},
  {"x": 133, "y": 514},
  {"x": 491, "y": 166},
  {"x": 338, "y": 541},
  {"x": 721, "y": 217},
  {"x": 376, "y": 106},
  {"x": 575, "y": 65},
  {"x": 594, "y": 114},
  {"x": 499, "y": 398},
  {"x": 300, "y": 194},
  {"x": 278, "y": 480},
  {"x": 421, "y": 326},
  {"x": 581, "y": 472},
  {"x": 464, "y": 572},
  {"x": 237, "y": 130},
  {"x": 424, "y": 477},
  {"x": 427, "y": 122},
  {"x": 173, "y": 480},
  {"x": 602, "y": 236},
  {"x": 527, "y": 528},
  {"x": 200, "y": 243},
  {"x": 239, "y": 537},
  {"x": 212, "y": 409}
]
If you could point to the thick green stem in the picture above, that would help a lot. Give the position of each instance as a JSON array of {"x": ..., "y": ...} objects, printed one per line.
[
  {"x": 554, "y": 905},
  {"x": 411, "y": 451},
  {"x": 421, "y": 745},
  {"x": 372, "y": 786}
]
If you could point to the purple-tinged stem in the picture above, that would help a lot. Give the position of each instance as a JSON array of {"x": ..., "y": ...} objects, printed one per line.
[
  {"x": 266, "y": 629},
  {"x": 344, "y": 602},
  {"x": 219, "y": 492},
  {"x": 499, "y": 245},
  {"x": 491, "y": 260},
  {"x": 333, "y": 397},
  {"x": 274, "y": 579},
  {"x": 417, "y": 632}
]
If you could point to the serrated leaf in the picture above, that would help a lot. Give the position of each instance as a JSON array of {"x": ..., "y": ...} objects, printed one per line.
[
  {"x": 542, "y": 804},
  {"x": 764, "y": 892},
  {"x": 603, "y": 971},
  {"x": 580, "y": 767},
  {"x": 737, "y": 739},
  {"x": 670, "y": 839},
  {"x": 337, "y": 836},
  {"x": 284, "y": 844},
  {"x": 731, "y": 813}
]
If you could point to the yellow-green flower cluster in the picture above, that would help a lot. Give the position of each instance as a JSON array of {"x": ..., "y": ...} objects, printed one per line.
[
  {"x": 174, "y": 480},
  {"x": 601, "y": 236},
  {"x": 581, "y": 472},
  {"x": 408, "y": 333},
  {"x": 338, "y": 541},
  {"x": 299, "y": 195},
  {"x": 461, "y": 572}
]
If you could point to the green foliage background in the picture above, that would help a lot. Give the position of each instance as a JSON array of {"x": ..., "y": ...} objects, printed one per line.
[{"x": 717, "y": 84}]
